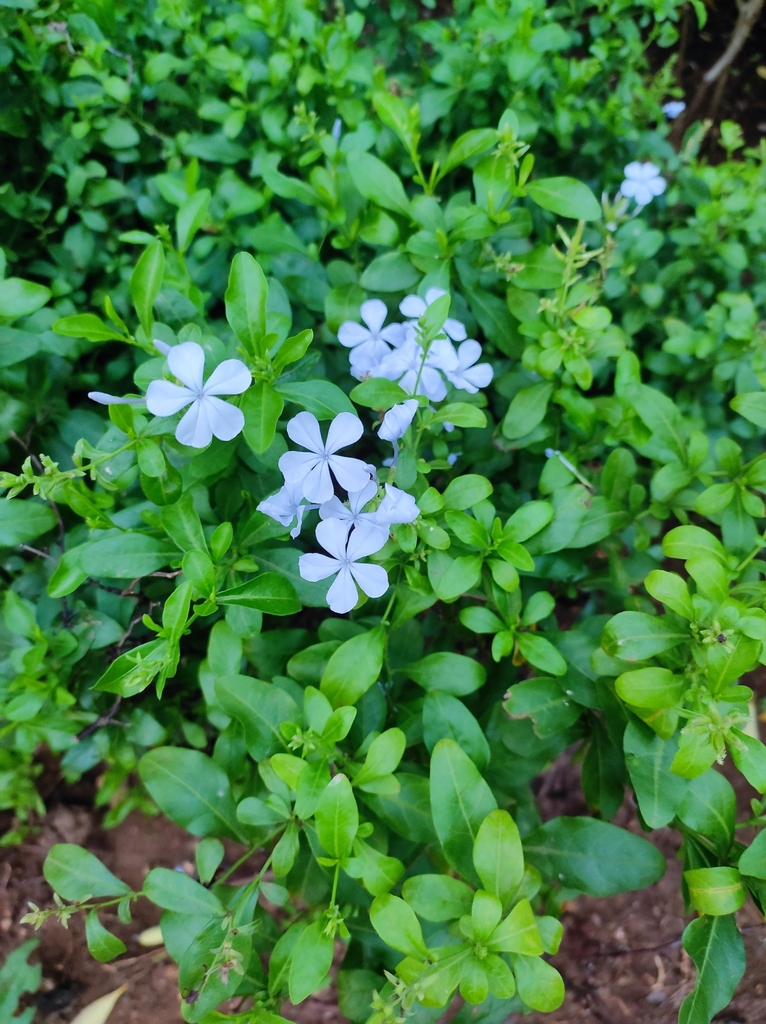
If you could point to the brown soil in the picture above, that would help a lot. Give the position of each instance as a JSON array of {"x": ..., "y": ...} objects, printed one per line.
[{"x": 621, "y": 957}]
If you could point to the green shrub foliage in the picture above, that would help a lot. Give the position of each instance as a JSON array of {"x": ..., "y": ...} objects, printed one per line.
[{"x": 434, "y": 451}]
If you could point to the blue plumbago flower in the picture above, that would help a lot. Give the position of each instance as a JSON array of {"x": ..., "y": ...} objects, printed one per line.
[
  {"x": 343, "y": 561},
  {"x": 642, "y": 182},
  {"x": 315, "y": 468}
]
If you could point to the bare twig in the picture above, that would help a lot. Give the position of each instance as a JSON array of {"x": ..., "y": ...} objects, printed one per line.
[
  {"x": 101, "y": 721},
  {"x": 749, "y": 13},
  {"x": 36, "y": 551}
]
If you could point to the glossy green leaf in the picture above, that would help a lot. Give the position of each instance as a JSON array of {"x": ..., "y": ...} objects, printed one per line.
[
  {"x": 636, "y": 636},
  {"x": 396, "y": 923},
  {"x": 246, "y": 302},
  {"x": 174, "y": 890},
  {"x": 451, "y": 673},
  {"x": 715, "y": 945},
  {"x": 145, "y": 283},
  {"x": 354, "y": 667},
  {"x": 337, "y": 818},
  {"x": 648, "y": 758},
  {"x": 270, "y": 593},
  {"x": 311, "y": 960},
  {"x": 498, "y": 856},
  {"x": 715, "y": 891},
  {"x": 76, "y": 874},
  {"x": 260, "y": 708},
  {"x": 102, "y": 945},
  {"x": 262, "y": 406}
]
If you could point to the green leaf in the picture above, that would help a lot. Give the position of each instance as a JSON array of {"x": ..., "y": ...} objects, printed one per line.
[
  {"x": 192, "y": 790},
  {"x": 749, "y": 755},
  {"x": 460, "y": 801},
  {"x": 261, "y": 406},
  {"x": 541, "y": 653},
  {"x": 209, "y": 854},
  {"x": 460, "y": 414},
  {"x": 21, "y": 298},
  {"x": 354, "y": 667},
  {"x": 391, "y": 272},
  {"x": 77, "y": 874},
  {"x": 518, "y": 932},
  {"x": 337, "y": 818},
  {"x": 409, "y": 812},
  {"x": 652, "y": 687},
  {"x": 567, "y": 197},
  {"x": 174, "y": 890},
  {"x": 378, "y": 393},
  {"x": 498, "y": 856},
  {"x": 527, "y": 521},
  {"x": 245, "y": 297},
  {"x": 377, "y": 182},
  {"x": 672, "y": 591},
  {"x": 751, "y": 405},
  {"x": 467, "y": 146},
  {"x": 183, "y": 525},
  {"x": 715, "y": 945},
  {"x": 320, "y": 397},
  {"x": 311, "y": 960},
  {"x": 438, "y": 897},
  {"x": 396, "y": 923},
  {"x": 648, "y": 759},
  {"x": 753, "y": 860},
  {"x": 527, "y": 410},
  {"x": 260, "y": 708},
  {"x": 123, "y": 556},
  {"x": 22, "y": 521},
  {"x": 453, "y": 577},
  {"x": 662, "y": 416},
  {"x": 88, "y": 326},
  {"x": 270, "y": 592},
  {"x": 445, "y": 717},
  {"x": 145, "y": 283},
  {"x": 715, "y": 891},
  {"x": 543, "y": 701},
  {"x": 102, "y": 945},
  {"x": 689, "y": 541},
  {"x": 539, "y": 983},
  {"x": 466, "y": 491},
  {"x": 593, "y": 856},
  {"x": 190, "y": 217},
  {"x": 451, "y": 673},
  {"x": 383, "y": 757},
  {"x": 709, "y": 807},
  {"x": 636, "y": 636}
]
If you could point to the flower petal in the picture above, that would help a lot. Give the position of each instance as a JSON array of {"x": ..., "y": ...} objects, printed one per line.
[
  {"x": 394, "y": 334},
  {"x": 195, "y": 429},
  {"x": 187, "y": 362},
  {"x": 315, "y": 567},
  {"x": 351, "y": 334},
  {"x": 231, "y": 377},
  {"x": 629, "y": 188},
  {"x": 374, "y": 313},
  {"x": 103, "y": 399},
  {"x": 351, "y": 474},
  {"x": 368, "y": 355},
  {"x": 345, "y": 429},
  {"x": 433, "y": 294},
  {"x": 332, "y": 535},
  {"x": 373, "y": 579},
  {"x": 365, "y": 539},
  {"x": 358, "y": 499},
  {"x": 468, "y": 353},
  {"x": 304, "y": 430},
  {"x": 335, "y": 509},
  {"x": 226, "y": 421},
  {"x": 317, "y": 486},
  {"x": 455, "y": 329},
  {"x": 295, "y": 466},
  {"x": 342, "y": 595},
  {"x": 166, "y": 399},
  {"x": 656, "y": 186},
  {"x": 413, "y": 306}
]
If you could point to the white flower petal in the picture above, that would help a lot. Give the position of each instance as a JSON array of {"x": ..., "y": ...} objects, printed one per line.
[
  {"x": 394, "y": 334},
  {"x": 317, "y": 485},
  {"x": 351, "y": 334},
  {"x": 304, "y": 430},
  {"x": 195, "y": 428},
  {"x": 372, "y": 579},
  {"x": 315, "y": 567},
  {"x": 433, "y": 294},
  {"x": 365, "y": 539},
  {"x": 629, "y": 188},
  {"x": 342, "y": 595},
  {"x": 397, "y": 420},
  {"x": 351, "y": 474},
  {"x": 344, "y": 430},
  {"x": 187, "y": 362},
  {"x": 455, "y": 329},
  {"x": 335, "y": 509},
  {"x": 103, "y": 399},
  {"x": 358, "y": 499},
  {"x": 226, "y": 421},
  {"x": 374, "y": 313},
  {"x": 468, "y": 353},
  {"x": 332, "y": 535},
  {"x": 231, "y": 377},
  {"x": 162, "y": 346},
  {"x": 397, "y": 507},
  {"x": 368, "y": 355},
  {"x": 295, "y": 466},
  {"x": 165, "y": 399},
  {"x": 656, "y": 186},
  {"x": 413, "y": 306}
]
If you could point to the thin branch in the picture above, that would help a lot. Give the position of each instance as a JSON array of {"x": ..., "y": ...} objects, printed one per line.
[{"x": 101, "y": 721}]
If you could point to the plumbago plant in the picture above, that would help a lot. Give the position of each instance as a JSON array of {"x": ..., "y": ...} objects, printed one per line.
[{"x": 494, "y": 527}]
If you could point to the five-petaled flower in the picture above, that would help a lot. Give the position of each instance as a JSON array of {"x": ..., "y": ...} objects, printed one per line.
[
  {"x": 345, "y": 550},
  {"x": 207, "y": 416},
  {"x": 353, "y": 514},
  {"x": 413, "y": 306},
  {"x": 642, "y": 182},
  {"x": 470, "y": 375},
  {"x": 287, "y": 505},
  {"x": 371, "y": 343},
  {"x": 315, "y": 468}
]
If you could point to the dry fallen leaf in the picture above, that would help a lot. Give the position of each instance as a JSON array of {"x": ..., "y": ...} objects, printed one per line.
[
  {"x": 151, "y": 937},
  {"x": 98, "y": 1012}
]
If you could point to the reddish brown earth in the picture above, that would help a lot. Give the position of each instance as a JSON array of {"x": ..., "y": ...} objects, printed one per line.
[{"x": 621, "y": 957}]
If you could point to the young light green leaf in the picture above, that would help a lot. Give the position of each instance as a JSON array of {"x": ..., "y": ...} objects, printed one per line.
[
  {"x": 337, "y": 818},
  {"x": 246, "y": 302},
  {"x": 715, "y": 891},
  {"x": 75, "y": 874},
  {"x": 498, "y": 856},
  {"x": 145, "y": 283},
  {"x": 354, "y": 667},
  {"x": 396, "y": 923}
]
